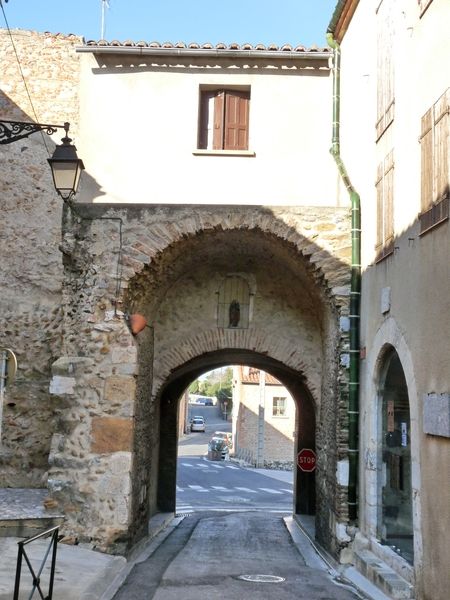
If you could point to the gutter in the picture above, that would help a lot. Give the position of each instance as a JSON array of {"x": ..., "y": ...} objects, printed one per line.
[
  {"x": 355, "y": 287},
  {"x": 208, "y": 53}
]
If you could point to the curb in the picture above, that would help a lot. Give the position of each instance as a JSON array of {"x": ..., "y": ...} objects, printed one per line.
[{"x": 160, "y": 527}]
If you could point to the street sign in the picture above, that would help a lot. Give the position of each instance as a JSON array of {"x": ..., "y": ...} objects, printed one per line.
[{"x": 306, "y": 460}]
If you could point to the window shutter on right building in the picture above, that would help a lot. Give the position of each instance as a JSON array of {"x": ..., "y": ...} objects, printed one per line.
[
  {"x": 426, "y": 143},
  {"x": 385, "y": 207},
  {"x": 385, "y": 68},
  {"x": 435, "y": 164}
]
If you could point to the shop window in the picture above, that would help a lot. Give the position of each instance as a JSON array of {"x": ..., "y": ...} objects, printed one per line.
[{"x": 396, "y": 527}]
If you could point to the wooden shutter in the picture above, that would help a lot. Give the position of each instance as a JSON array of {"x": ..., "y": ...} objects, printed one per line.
[
  {"x": 441, "y": 144},
  {"x": 385, "y": 207},
  {"x": 385, "y": 67},
  {"x": 219, "y": 109},
  {"x": 236, "y": 120},
  {"x": 379, "y": 189},
  {"x": 426, "y": 150},
  {"x": 389, "y": 204}
]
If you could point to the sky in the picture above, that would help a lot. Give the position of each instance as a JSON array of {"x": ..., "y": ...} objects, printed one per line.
[{"x": 241, "y": 21}]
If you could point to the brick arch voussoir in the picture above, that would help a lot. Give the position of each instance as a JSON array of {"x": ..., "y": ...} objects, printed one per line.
[
  {"x": 251, "y": 340},
  {"x": 331, "y": 271}
]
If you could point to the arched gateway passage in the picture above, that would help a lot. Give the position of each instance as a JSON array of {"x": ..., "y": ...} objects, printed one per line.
[
  {"x": 265, "y": 287},
  {"x": 304, "y": 483}
]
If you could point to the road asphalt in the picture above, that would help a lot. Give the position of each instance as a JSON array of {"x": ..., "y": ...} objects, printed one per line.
[{"x": 203, "y": 555}]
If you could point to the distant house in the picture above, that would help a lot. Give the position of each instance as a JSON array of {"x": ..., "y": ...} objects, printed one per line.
[{"x": 263, "y": 419}]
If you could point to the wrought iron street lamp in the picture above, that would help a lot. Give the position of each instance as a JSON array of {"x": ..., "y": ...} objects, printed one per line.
[{"x": 65, "y": 165}]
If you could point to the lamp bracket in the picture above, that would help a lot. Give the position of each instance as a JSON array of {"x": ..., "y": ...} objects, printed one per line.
[{"x": 11, "y": 131}]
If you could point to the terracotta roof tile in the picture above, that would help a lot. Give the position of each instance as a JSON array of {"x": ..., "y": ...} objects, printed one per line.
[
  {"x": 285, "y": 48},
  {"x": 253, "y": 377}
]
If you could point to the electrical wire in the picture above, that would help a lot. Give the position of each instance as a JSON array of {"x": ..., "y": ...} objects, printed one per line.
[{"x": 22, "y": 75}]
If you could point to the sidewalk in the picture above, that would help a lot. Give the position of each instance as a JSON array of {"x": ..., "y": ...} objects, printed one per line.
[{"x": 84, "y": 574}]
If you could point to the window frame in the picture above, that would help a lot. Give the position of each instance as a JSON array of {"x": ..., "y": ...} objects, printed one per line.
[
  {"x": 278, "y": 415},
  {"x": 214, "y": 126}
]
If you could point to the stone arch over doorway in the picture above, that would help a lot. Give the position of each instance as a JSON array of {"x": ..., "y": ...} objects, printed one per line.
[
  {"x": 388, "y": 340},
  {"x": 173, "y": 261},
  {"x": 168, "y": 399}
]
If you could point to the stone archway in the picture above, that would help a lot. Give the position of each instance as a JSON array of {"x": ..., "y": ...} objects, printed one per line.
[
  {"x": 304, "y": 483},
  {"x": 173, "y": 263}
]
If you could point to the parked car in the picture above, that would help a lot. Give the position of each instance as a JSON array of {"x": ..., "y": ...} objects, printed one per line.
[
  {"x": 198, "y": 424},
  {"x": 205, "y": 401},
  {"x": 217, "y": 447},
  {"x": 224, "y": 435}
]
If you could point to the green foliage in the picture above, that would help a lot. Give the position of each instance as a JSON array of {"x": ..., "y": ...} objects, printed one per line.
[{"x": 217, "y": 383}]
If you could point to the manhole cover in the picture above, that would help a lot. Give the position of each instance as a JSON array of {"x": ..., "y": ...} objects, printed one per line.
[{"x": 262, "y": 578}]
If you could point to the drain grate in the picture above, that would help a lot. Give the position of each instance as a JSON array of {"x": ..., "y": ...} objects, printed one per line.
[{"x": 262, "y": 578}]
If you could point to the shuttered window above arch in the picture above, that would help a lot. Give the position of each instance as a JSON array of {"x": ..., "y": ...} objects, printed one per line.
[
  {"x": 224, "y": 119},
  {"x": 233, "y": 303}
]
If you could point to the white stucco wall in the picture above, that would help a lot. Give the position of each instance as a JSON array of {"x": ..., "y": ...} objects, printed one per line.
[
  {"x": 416, "y": 276},
  {"x": 139, "y": 122}
]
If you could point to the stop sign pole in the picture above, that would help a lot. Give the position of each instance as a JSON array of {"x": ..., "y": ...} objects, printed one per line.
[{"x": 306, "y": 460}]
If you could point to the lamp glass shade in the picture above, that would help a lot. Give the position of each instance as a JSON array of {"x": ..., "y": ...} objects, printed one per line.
[{"x": 66, "y": 170}]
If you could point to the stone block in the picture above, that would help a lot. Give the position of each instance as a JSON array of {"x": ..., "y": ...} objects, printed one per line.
[
  {"x": 124, "y": 355},
  {"x": 436, "y": 414},
  {"x": 110, "y": 434},
  {"x": 68, "y": 365},
  {"x": 62, "y": 385},
  {"x": 119, "y": 389}
]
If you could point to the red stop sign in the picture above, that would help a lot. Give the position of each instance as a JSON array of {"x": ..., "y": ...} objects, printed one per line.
[{"x": 306, "y": 460}]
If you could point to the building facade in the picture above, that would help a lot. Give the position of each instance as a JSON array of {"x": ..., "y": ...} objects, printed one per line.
[
  {"x": 207, "y": 207},
  {"x": 263, "y": 419},
  {"x": 395, "y": 123}
]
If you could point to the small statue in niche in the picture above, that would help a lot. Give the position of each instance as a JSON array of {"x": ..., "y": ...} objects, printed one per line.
[{"x": 234, "y": 314}]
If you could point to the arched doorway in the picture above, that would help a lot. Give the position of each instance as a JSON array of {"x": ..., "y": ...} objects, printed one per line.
[
  {"x": 304, "y": 482},
  {"x": 395, "y": 523},
  {"x": 253, "y": 286}
]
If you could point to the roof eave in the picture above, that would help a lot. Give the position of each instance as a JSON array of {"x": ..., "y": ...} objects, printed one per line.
[
  {"x": 207, "y": 53},
  {"x": 342, "y": 16}
]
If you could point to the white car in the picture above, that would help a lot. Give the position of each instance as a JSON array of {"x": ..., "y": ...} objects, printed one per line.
[{"x": 198, "y": 424}]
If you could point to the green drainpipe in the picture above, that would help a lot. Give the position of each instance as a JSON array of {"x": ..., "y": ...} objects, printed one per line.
[{"x": 355, "y": 288}]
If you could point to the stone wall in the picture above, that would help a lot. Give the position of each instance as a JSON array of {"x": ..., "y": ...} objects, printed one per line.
[
  {"x": 171, "y": 262},
  {"x": 30, "y": 233}
]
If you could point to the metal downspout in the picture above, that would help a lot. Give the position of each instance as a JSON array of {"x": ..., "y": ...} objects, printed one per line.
[{"x": 355, "y": 288}]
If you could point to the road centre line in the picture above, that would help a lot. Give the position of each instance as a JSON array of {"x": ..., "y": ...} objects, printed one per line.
[{"x": 270, "y": 491}]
